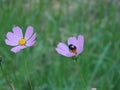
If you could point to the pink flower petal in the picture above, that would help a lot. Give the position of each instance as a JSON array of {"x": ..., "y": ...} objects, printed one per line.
[
  {"x": 64, "y": 53},
  {"x": 28, "y": 44},
  {"x": 72, "y": 40},
  {"x": 18, "y": 32},
  {"x": 80, "y": 44},
  {"x": 29, "y": 32},
  {"x": 32, "y": 38},
  {"x": 17, "y": 48},
  {"x": 62, "y": 46},
  {"x": 11, "y": 43},
  {"x": 12, "y": 37},
  {"x": 64, "y": 50}
]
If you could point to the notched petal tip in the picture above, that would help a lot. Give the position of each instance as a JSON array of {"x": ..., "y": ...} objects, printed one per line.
[
  {"x": 72, "y": 40},
  {"x": 81, "y": 40},
  {"x": 16, "y": 28},
  {"x": 81, "y": 37},
  {"x": 17, "y": 31},
  {"x": 30, "y": 26},
  {"x": 9, "y": 35}
]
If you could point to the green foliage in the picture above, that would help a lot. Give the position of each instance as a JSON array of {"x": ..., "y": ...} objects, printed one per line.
[{"x": 55, "y": 21}]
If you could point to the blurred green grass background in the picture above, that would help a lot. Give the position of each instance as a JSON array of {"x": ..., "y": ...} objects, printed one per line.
[{"x": 55, "y": 21}]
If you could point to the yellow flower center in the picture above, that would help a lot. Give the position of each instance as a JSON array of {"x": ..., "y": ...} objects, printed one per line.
[{"x": 22, "y": 42}]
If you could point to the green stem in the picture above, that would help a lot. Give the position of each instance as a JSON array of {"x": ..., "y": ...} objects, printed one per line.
[
  {"x": 26, "y": 68},
  {"x": 81, "y": 75}
]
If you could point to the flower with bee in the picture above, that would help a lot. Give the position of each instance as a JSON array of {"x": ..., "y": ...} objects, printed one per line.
[{"x": 74, "y": 48}]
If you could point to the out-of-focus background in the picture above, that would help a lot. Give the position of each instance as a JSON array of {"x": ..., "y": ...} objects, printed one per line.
[{"x": 54, "y": 21}]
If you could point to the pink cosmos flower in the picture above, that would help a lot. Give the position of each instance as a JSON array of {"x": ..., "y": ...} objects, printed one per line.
[
  {"x": 17, "y": 40},
  {"x": 74, "y": 48}
]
